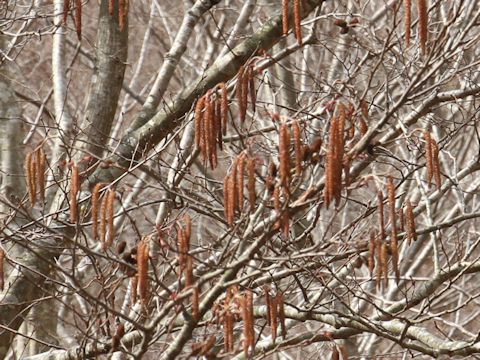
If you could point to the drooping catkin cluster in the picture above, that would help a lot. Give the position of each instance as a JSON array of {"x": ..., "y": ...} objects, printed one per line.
[
  {"x": 422, "y": 24},
  {"x": 107, "y": 230},
  {"x": 74, "y": 187},
  {"x": 432, "y": 159},
  {"x": 210, "y": 123},
  {"x": 245, "y": 86},
  {"x": 284, "y": 156},
  {"x": 393, "y": 226},
  {"x": 35, "y": 162},
  {"x": 185, "y": 260},
  {"x": 2, "y": 274},
  {"x": 123, "y": 6},
  {"x": 246, "y": 307},
  {"x": 407, "y": 6},
  {"x": 234, "y": 184},
  {"x": 275, "y": 312},
  {"x": 143, "y": 250},
  {"x": 297, "y": 17},
  {"x": 335, "y": 157}
]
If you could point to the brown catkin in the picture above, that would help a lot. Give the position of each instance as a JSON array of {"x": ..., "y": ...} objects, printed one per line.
[
  {"x": 240, "y": 180},
  {"x": 110, "y": 7},
  {"x": 195, "y": 312},
  {"x": 198, "y": 120},
  {"x": 74, "y": 186},
  {"x": 410, "y": 220},
  {"x": 251, "y": 320},
  {"x": 384, "y": 262},
  {"x": 78, "y": 18},
  {"x": 240, "y": 90},
  {"x": 66, "y": 8},
  {"x": 142, "y": 263},
  {"x": 285, "y": 220},
  {"x": 378, "y": 251},
  {"x": 188, "y": 227},
  {"x": 103, "y": 221},
  {"x": 422, "y": 24},
  {"x": 181, "y": 247},
  {"x": 335, "y": 353},
  {"x": 2, "y": 274},
  {"x": 408, "y": 19},
  {"x": 285, "y": 16},
  {"x": 273, "y": 317},
  {"x": 188, "y": 273},
  {"x": 281, "y": 313},
  {"x": 393, "y": 226},
  {"x": 371, "y": 252},
  {"x": 226, "y": 198},
  {"x": 110, "y": 213},
  {"x": 245, "y": 318},
  {"x": 233, "y": 194},
  {"x": 208, "y": 130},
  {"x": 41, "y": 173},
  {"x": 134, "y": 285},
  {"x": 95, "y": 198},
  {"x": 122, "y": 13},
  {"x": 363, "y": 127},
  {"x": 251, "y": 86},
  {"x": 30, "y": 179},
  {"x": 251, "y": 182},
  {"x": 276, "y": 198},
  {"x": 284, "y": 155},
  {"x": 401, "y": 222},
  {"x": 381, "y": 222},
  {"x": 218, "y": 124},
  {"x": 297, "y": 146},
  {"x": 428, "y": 155},
  {"x": 224, "y": 108},
  {"x": 119, "y": 332},
  {"x": 436, "y": 164},
  {"x": 296, "y": 21}
]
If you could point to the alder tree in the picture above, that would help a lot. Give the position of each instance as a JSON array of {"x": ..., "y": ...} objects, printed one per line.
[{"x": 239, "y": 179}]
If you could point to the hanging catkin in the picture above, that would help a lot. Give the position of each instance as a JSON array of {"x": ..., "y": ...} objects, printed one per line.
[
  {"x": 393, "y": 226},
  {"x": 436, "y": 164},
  {"x": 240, "y": 180},
  {"x": 410, "y": 220},
  {"x": 95, "y": 198},
  {"x": 422, "y": 24},
  {"x": 78, "y": 18},
  {"x": 30, "y": 179},
  {"x": 285, "y": 16},
  {"x": 109, "y": 215},
  {"x": 408, "y": 19},
  {"x": 240, "y": 94},
  {"x": 371, "y": 252},
  {"x": 42, "y": 160},
  {"x": 297, "y": 146},
  {"x": 143, "y": 250},
  {"x": 251, "y": 86},
  {"x": 296, "y": 21},
  {"x": 2, "y": 274},
  {"x": 251, "y": 182},
  {"x": 284, "y": 155},
  {"x": 103, "y": 221},
  {"x": 428, "y": 156},
  {"x": 110, "y": 6},
  {"x": 224, "y": 107},
  {"x": 74, "y": 186},
  {"x": 198, "y": 120}
]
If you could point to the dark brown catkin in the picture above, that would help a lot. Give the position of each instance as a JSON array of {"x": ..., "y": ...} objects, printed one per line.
[
  {"x": 224, "y": 108},
  {"x": 436, "y": 164},
  {"x": 371, "y": 252},
  {"x": 78, "y": 18},
  {"x": 381, "y": 223},
  {"x": 110, "y": 7},
  {"x": 66, "y": 8},
  {"x": 297, "y": 146},
  {"x": 142, "y": 263}
]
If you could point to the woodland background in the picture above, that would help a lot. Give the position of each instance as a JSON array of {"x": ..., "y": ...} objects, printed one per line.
[{"x": 335, "y": 217}]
